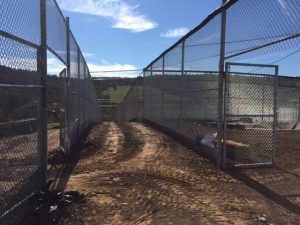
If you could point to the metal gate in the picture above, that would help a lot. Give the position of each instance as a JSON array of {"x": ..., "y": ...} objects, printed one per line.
[
  {"x": 63, "y": 112},
  {"x": 249, "y": 114}
]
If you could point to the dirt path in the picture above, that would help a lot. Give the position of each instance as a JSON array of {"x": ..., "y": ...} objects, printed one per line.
[
  {"x": 132, "y": 174},
  {"x": 53, "y": 140}
]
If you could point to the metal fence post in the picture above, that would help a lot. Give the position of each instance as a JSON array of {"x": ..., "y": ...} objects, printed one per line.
[
  {"x": 182, "y": 76},
  {"x": 298, "y": 105},
  {"x": 275, "y": 112},
  {"x": 136, "y": 99},
  {"x": 78, "y": 93},
  {"x": 151, "y": 100},
  {"x": 42, "y": 108},
  {"x": 163, "y": 89},
  {"x": 84, "y": 97},
  {"x": 221, "y": 103},
  {"x": 144, "y": 90},
  {"x": 68, "y": 145}
]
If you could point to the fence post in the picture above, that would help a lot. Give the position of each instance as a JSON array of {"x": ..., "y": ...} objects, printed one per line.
[
  {"x": 182, "y": 82},
  {"x": 78, "y": 93},
  {"x": 42, "y": 107},
  {"x": 221, "y": 109},
  {"x": 68, "y": 145},
  {"x": 136, "y": 98},
  {"x": 298, "y": 105},
  {"x": 144, "y": 90},
  {"x": 151, "y": 99},
  {"x": 163, "y": 89},
  {"x": 275, "y": 112}
]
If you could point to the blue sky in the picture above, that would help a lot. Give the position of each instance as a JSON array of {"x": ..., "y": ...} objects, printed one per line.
[{"x": 129, "y": 34}]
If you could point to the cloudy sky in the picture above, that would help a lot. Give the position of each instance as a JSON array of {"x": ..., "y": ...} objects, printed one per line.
[{"x": 129, "y": 34}]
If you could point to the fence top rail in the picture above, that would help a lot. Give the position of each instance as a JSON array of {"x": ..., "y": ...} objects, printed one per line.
[
  {"x": 251, "y": 64},
  {"x": 20, "y": 86},
  {"x": 180, "y": 71}
]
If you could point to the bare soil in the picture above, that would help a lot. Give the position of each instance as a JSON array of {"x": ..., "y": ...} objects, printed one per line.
[
  {"x": 130, "y": 173},
  {"x": 53, "y": 140}
]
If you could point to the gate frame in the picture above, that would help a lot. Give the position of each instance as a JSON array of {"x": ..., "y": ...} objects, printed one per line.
[{"x": 224, "y": 122}]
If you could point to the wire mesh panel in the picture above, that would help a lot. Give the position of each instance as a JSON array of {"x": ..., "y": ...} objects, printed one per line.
[
  {"x": 81, "y": 93},
  {"x": 250, "y": 115},
  {"x": 288, "y": 105},
  {"x": 20, "y": 104},
  {"x": 21, "y": 19},
  {"x": 261, "y": 28},
  {"x": 23, "y": 103},
  {"x": 131, "y": 108},
  {"x": 157, "y": 90},
  {"x": 172, "y": 86},
  {"x": 63, "y": 111},
  {"x": 200, "y": 97},
  {"x": 56, "y": 30},
  {"x": 73, "y": 92}
]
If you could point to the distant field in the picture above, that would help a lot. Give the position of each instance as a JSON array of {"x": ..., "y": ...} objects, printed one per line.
[{"x": 117, "y": 93}]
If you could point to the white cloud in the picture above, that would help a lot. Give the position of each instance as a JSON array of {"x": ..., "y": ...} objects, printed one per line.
[
  {"x": 88, "y": 54},
  {"x": 106, "y": 66},
  {"x": 175, "y": 33},
  {"x": 122, "y": 14},
  {"x": 54, "y": 66}
]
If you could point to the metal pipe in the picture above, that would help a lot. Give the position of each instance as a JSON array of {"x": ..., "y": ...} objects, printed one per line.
[
  {"x": 19, "y": 122},
  {"x": 182, "y": 81},
  {"x": 20, "y": 86},
  {"x": 78, "y": 93},
  {"x": 275, "y": 113},
  {"x": 186, "y": 71},
  {"x": 299, "y": 106},
  {"x": 221, "y": 137},
  {"x": 42, "y": 108},
  {"x": 17, "y": 39},
  {"x": 163, "y": 88},
  {"x": 67, "y": 88}
]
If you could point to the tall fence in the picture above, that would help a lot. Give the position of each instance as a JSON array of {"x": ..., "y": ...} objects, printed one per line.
[
  {"x": 219, "y": 84},
  {"x": 28, "y": 29}
]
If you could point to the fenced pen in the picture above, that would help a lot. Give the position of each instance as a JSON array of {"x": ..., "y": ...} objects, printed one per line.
[
  {"x": 230, "y": 84},
  {"x": 28, "y": 29}
]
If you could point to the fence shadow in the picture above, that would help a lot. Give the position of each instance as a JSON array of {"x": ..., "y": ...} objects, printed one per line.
[
  {"x": 65, "y": 170},
  {"x": 264, "y": 190},
  {"x": 253, "y": 178}
]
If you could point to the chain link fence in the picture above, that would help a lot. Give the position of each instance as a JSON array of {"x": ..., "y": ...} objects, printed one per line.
[
  {"x": 231, "y": 115},
  {"x": 131, "y": 108},
  {"x": 23, "y": 104}
]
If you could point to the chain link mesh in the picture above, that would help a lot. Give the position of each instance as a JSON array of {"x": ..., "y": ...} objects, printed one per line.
[
  {"x": 18, "y": 104},
  {"x": 21, "y": 153},
  {"x": 21, "y": 19},
  {"x": 131, "y": 108},
  {"x": 56, "y": 30},
  {"x": 183, "y": 87},
  {"x": 249, "y": 114}
]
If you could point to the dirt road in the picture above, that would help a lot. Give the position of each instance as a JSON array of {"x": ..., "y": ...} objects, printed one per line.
[{"x": 130, "y": 173}]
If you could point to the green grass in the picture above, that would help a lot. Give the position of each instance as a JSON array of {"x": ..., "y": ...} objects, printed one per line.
[
  {"x": 118, "y": 93},
  {"x": 53, "y": 126}
]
